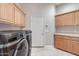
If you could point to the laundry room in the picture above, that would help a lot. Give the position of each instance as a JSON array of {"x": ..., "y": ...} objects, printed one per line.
[{"x": 39, "y": 29}]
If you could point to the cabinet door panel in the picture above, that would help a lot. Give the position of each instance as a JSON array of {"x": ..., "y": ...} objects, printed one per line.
[
  {"x": 59, "y": 21},
  {"x": 19, "y": 17},
  {"x": 23, "y": 19},
  {"x": 65, "y": 19},
  {"x": 77, "y": 18},
  {"x": 68, "y": 19},
  {"x": 7, "y": 12},
  {"x": 58, "y": 42},
  {"x": 67, "y": 45},
  {"x": 75, "y": 47}
]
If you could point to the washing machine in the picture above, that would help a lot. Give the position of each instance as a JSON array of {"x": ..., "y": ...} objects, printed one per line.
[
  {"x": 29, "y": 39},
  {"x": 15, "y": 43}
]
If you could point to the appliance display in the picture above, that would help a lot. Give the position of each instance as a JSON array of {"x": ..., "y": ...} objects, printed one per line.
[{"x": 15, "y": 43}]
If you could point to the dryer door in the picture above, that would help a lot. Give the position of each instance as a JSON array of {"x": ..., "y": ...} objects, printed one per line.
[{"x": 22, "y": 48}]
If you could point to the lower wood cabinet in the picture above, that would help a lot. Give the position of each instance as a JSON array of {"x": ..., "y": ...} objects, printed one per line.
[
  {"x": 67, "y": 44},
  {"x": 75, "y": 47},
  {"x": 59, "y": 42}
]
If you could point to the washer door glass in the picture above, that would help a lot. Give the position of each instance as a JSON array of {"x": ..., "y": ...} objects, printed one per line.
[{"x": 22, "y": 49}]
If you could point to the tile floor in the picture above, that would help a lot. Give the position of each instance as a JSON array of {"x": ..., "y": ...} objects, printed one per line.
[{"x": 49, "y": 51}]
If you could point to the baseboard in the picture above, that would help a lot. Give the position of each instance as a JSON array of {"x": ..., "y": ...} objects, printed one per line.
[
  {"x": 67, "y": 51},
  {"x": 37, "y": 46}
]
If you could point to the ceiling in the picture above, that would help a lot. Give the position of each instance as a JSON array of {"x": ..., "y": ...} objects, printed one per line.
[{"x": 37, "y": 8}]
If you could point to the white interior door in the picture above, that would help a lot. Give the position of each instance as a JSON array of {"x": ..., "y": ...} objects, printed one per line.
[{"x": 37, "y": 31}]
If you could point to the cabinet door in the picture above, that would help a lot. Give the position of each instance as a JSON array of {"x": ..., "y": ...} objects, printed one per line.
[
  {"x": 75, "y": 47},
  {"x": 58, "y": 21},
  {"x": 67, "y": 46},
  {"x": 7, "y": 12},
  {"x": 58, "y": 42},
  {"x": 77, "y": 18},
  {"x": 63, "y": 43},
  {"x": 23, "y": 19},
  {"x": 65, "y": 19},
  {"x": 68, "y": 19},
  {"x": 19, "y": 17}
]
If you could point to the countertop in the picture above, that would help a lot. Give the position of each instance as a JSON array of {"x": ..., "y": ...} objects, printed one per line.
[
  {"x": 65, "y": 34},
  {"x": 14, "y": 31}
]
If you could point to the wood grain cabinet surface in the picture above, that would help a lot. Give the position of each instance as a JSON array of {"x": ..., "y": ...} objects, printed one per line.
[
  {"x": 77, "y": 18},
  {"x": 68, "y": 19},
  {"x": 11, "y": 14},
  {"x": 65, "y": 19},
  {"x": 58, "y": 42},
  {"x": 75, "y": 47},
  {"x": 68, "y": 44},
  {"x": 19, "y": 17},
  {"x": 59, "y": 21},
  {"x": 23, "y": 20},
  {"x": 7, "y": 12}
]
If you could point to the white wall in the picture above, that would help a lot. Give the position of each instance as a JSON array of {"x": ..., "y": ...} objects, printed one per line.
[
  {"x": 50, "y": 21},
  {"x": 67, "y": 7},
  {"x": 47, "y": 11}
]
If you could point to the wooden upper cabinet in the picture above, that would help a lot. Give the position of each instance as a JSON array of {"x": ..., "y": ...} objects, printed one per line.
[
  {"x": 59, "y": 21},
  {"x": 7, "y": 12},
  {"x": 11, "y": 14},
  {"x": 19, "y": 17},
  {"x": 23, "y": 19},
  {"x": 68, "y": 19},
  {"x": 77, "y": 18},
  {"x": 65, "y": 19}
]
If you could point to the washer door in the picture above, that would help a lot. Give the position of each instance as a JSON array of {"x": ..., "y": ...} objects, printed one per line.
[{"x": 22, "y": 48}]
